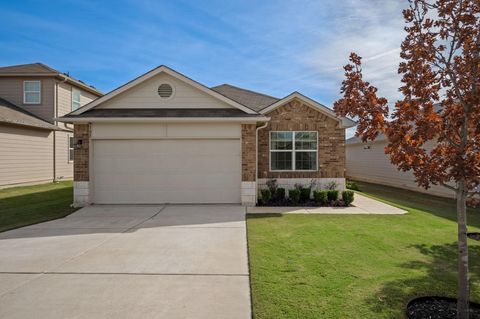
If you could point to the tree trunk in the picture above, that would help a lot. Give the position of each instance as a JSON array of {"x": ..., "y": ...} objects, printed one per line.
[{"x": 463, "y": 275}]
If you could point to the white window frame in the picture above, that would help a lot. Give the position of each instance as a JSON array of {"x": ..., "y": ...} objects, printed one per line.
[
  {"x": 70, "y": 147},
  {"x": 79, "y": 101},
  {"x": 293, "y": 151},
  {"x": 39, "y": 92}
]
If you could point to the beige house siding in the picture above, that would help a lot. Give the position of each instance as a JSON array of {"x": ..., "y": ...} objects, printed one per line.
[
  {"x": 65, "y": 98},
  {"x": 11, "y": 89},
  {"x": 369, "y": 163},
  {"x": 26, "y": 155},
  {"x": 145, "y": 95}
]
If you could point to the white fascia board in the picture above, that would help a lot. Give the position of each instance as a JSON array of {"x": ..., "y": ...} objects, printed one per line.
[
  {"x": 151, "y": 74},
  {"x": 79, "y": 120},
  {"x": 345, "y": 122}
]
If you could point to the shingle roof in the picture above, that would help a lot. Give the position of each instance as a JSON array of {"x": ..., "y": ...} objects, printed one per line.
[
  {"x": 253, "y": 100},
  {"x": 166, "y": 112},
  {"x": 40, "y": 69},
  {"x": 12, "y": 114},
  {"x": 32, "y": 68}
]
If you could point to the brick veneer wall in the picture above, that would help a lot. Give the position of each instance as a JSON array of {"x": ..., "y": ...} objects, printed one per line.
[
  {"x": 248, "y": 152},
  {"x": 296, "y": 116},
  {"x": 81, "y": 155}
]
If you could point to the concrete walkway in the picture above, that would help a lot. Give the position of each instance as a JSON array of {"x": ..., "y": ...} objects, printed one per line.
[
  {"x": 361, "y": 205},
  {"x": 128, "y": 262}
]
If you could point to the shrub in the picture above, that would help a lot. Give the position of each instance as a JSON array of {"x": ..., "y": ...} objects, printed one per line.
[
  {"x": 279, "y": 194},
  {"x": 353, "y": 186},
  {"x": 347, "y": 197},
  {"x": 332, "y": 185},
  {"x": 332, "y": 195},
  {"x": 305, "y": 194},
  {"x": 320, "y": 197},
  {"x": 266, "y": 195},
  {"x": 272, "y": 186},
  {"x": 294, "y": 195}
]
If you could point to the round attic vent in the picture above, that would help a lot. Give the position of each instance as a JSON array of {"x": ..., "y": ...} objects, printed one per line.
[{"x": 165, "y": 90}]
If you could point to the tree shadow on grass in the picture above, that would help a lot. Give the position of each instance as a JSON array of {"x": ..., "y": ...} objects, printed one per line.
[{"x": 436, "y": 274}]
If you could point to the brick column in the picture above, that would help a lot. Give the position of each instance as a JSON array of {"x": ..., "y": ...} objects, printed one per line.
[
  {"x": 81, "y": 176},
  {"x": 248, "y": 187}
]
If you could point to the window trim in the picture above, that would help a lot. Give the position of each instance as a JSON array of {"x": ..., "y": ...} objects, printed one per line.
[
  {"x": 79, "y": 101},
  {"x": 39, "y": 92},
  {"x": 70, "y": 147},
  {"x": 293, "y": 151}
]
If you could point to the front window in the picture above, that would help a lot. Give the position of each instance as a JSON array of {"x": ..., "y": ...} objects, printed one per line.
[
  {"x": 32, "y": 92},
  {"x": 70, "y": 148},
  {"x": 293, "y": 151},
  {"x": 75, "y": 99}
]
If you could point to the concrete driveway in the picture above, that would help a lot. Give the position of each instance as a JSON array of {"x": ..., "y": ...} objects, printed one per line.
[{"x": 128, "y": 262}]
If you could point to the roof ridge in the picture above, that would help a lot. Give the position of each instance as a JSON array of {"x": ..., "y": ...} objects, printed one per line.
[
  {"x": 246, "y": 90},
  {"x": 47, "y": 67}
]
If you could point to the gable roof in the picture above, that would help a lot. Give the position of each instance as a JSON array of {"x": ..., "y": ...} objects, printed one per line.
[
  {"x": 175, "y": 74},
  {"x": 345, "y": 122},
  {"x": 40, "y": 69},
  {"x": 254, "y": 100},
  {"x": 12, "y": 114}
]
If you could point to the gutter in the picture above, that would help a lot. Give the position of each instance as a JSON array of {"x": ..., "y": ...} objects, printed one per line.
[
  {"x": 55, "y": 111},
  {"x": 256, "y": 157},
  {"x": 161, "y": 119}
]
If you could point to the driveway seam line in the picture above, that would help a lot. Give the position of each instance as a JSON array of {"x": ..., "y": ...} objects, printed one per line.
[{"x": 108, "y": 239}]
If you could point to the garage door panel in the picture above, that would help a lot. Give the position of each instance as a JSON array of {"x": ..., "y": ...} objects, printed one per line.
[{"x": 167, "y": 171}]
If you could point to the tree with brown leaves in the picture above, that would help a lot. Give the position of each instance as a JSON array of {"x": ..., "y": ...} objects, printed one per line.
[{"x": 441, "y": 104}]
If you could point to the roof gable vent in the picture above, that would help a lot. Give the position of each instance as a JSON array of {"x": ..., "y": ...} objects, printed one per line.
[{"x": 165, "y": 91}]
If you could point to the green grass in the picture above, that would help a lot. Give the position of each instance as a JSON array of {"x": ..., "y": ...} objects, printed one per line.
[
  {"x": 26, "y": 205},
  {"x": 357, "y": 266}
]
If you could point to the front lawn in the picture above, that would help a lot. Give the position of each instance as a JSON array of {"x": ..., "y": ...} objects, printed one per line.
[
  {"x": 26, "y": 205},
  {"x": 357, "y": 266}
]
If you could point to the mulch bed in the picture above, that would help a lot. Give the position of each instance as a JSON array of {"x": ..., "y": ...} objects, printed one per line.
[{"x": 438, "y": 308}]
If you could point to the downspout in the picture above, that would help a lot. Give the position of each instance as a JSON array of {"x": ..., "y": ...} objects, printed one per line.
[
  {"x": 256, "y": 158},
  {"x": 55, "y": 113}
]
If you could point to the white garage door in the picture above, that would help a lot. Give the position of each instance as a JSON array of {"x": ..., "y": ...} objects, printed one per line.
[{"x": 166, "y": 171}]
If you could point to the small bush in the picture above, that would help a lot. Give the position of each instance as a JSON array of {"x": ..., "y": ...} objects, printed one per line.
[
  {"x": 272, "y": 186},
  {"x": 353, "y": 186},
  {"x": 305, "y": 194},
  {"x": 320, "y": 197},
  {"x": 347, "y": 197},
  {"x": 266, "y": 195},
  {"x": 294, "y": 195},
  {"x": 332, "y": 195},
  {"x": 279, "y": 194}
]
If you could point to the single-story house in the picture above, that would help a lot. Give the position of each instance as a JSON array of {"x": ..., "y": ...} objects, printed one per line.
[
  {"x": 165, "y": 138},
  {"x": 368, "y": 162}
]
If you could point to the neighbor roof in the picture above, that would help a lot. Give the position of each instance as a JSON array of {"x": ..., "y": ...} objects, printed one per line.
[
  {"x": 12, "y": 114},
  {"x": 358, "y": 140},
  {"x": 251, "y": 99},
  {"x": 40, "y": 69}
]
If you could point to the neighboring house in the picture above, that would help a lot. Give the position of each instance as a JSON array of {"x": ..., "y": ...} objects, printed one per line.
[
  {"x": 164, "y": 138},
  {"x": 35, "y": 148},
  {"x": 368, "y": 162}
]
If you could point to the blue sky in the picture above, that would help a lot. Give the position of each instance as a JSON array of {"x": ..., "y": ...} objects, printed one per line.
[{"x": 274, "y": 47}]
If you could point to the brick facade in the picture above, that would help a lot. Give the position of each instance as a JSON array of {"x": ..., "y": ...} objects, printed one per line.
[
  {"x": 248, "y": 152},
  {"x": 81, "y": 133},
  {"x": 297, "y": 116}
]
